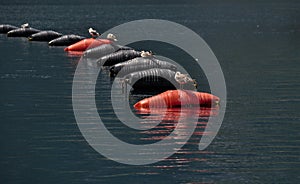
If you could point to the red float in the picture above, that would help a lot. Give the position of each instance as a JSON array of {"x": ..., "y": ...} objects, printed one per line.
[
  {"x": 87, "y": 43},
  {"x": 178, "y": 98}
]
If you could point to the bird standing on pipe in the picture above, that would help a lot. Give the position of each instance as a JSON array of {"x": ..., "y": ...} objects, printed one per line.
[
  {"x": 93, "y": 33},
  {"x": 146, "y": 54},
  {"x": 26, "y": 25},
  {"x": 112, "y": 37},
  {"x": 183, "y": 79}
]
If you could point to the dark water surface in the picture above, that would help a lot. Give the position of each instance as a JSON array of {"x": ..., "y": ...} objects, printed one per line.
[{"x": 257, "y": 45}]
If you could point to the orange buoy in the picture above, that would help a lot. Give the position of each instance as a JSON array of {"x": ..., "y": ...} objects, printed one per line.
[
  {"x": 178, "y": 98},
  {"x": 87, "y": 43}
]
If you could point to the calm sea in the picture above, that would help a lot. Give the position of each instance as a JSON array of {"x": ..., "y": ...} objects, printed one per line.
[{"x": 257, "y": 45}]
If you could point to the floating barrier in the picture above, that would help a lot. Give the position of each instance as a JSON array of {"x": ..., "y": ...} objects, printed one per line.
[
  {"x": 66, "y": 40},
  {"x": 154, "y": 79},
  {"x": 87, "y": 43},
  {"x": 139, "y": 64},
  {"x": 178, "y": 98},
  {"x": 5, "y": 28},
  {"x": 22, "y": 32},
  {"x": 44, "y": 36},
  {"x": 103, "y": 50},
  {"x": 118, "y": 57}
]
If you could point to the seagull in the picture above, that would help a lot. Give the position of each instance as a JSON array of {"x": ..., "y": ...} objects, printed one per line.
[
  {"x": 111, "y": 36},
  {"x": 146, "y": 54},
  {"x": 26, "y": 25},
  {"x": 93, "y": 32},
  {"x": 183, "y": 79}
]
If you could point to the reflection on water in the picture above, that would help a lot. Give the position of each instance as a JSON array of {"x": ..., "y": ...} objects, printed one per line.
[
  {"x": 74, "y": 54},
  {"x": 174, "y": 113},
  {"x": 169, "y": 120}
]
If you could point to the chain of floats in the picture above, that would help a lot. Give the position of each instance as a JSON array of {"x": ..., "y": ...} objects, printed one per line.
[{"x": 123, "y": 62}]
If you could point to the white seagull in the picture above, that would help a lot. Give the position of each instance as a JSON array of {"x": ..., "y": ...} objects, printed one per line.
[
  {"x": 26, "y": 25},
  {"x": 183, "y": 79},
  {"x": 111, "y": 36},
  {"x": 146, "y": 54},
  {"x": 93, "y": 32}
]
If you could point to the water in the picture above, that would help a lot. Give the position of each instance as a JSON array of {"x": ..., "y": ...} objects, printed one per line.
[{"x": 257, "y": 45}]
